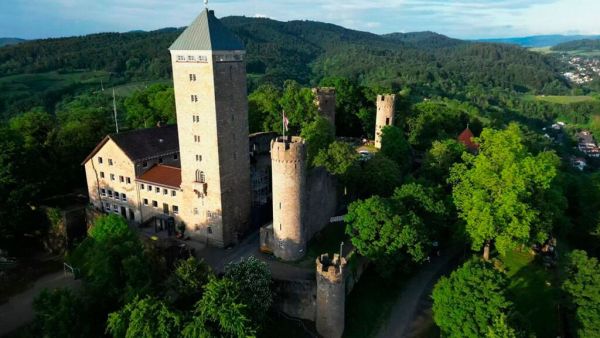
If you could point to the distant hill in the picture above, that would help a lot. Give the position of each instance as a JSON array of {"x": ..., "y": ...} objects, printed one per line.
[
  {"x": 9, "y": 41},
  {"x": 305, "y": 51},
  {"x": 586, "y": 45},
  {"x": 541, "y": 40}
]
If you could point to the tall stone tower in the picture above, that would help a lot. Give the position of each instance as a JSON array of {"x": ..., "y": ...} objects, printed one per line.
[
  {"x": 386, "y": 105},
  {"x": 331, "y": 295},
  {"x": 209, "y": 74},
  {"x": 288, "y": 163},
  {"x": 325, "y": 102}
]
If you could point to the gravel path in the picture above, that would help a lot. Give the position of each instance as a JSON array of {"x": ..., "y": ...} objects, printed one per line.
[
  {"x": 18, "y": 311},
  {"x": 413, "y": 304}
]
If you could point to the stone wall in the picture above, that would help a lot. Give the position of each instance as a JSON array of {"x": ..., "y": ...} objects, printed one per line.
[
  {"x": 325, "y": 101},
  {"x": 321, "y": 200},
  {"x": 386, "y": 106},
  {"x": 296, "y": 298}
]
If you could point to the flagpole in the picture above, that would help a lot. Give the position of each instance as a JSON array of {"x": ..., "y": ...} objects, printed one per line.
[{"x": 283, "y": 124}]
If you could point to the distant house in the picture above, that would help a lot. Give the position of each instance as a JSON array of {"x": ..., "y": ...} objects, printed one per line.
[
  {"x": 587, "y": 145},
  {"x": 466, "y": 138}
]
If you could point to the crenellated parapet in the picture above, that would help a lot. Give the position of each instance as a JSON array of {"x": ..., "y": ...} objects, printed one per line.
[{"x": 331, "y": 295}]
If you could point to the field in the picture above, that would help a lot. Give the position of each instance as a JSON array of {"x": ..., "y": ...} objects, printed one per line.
[
  {"x": 559, "y": 99},
  {"x": 51, "y": 81},
  {"x": 535, "y": 293},
  {"x": 129, "y": 88}
]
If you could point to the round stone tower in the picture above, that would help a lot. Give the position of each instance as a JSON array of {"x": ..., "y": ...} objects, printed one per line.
[
  {"x": 331, "y": 295},
  {"x": 288, "y": 160},
  {"x": 386, "y": 105}
]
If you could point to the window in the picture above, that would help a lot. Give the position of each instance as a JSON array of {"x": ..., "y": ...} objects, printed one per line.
[
  {"x": 202, "y": 58},
  {"x": 175, "y": 210},
  {"x": 145, "y": 201},
  {"x": 145, "y": 164},
  {"x": 176, "y": 157},
  {"x": 128, "y": 180},
  {"x": 209, "y": 229},
  {"x": 110, "y": 162},
  {"x": 157, "y": 190},
  {"x": 160, "y": 160},
  {"x": 180, "y": 58},
  {"x": 195, "y": 211},
  {"x": 192, "y": 77},
  {"x": 194, "y": 98},
  {"x": 102, "y": 174},
  {"x": 123, "y": 197},
  {"x": 154, "y": 204},
  {"x": 121, "y": 179},
  {"x": 103, "y": 192},
  {"x": 387, "y": 121},
  {"x": 195, "y": 118},
  {"x": 165, "y": 192},
  {"x": 200, "y": 176},
  {"x": 199, "y": 158},
  {"x": 173, "y": 193},
  {"x": 117, "y": 195},
  {"x": 107, "y": 206},
  {"x": 100, "y": 160},
  {"x": 112, "y": 177},
  {"x": 197, "y": 138},
  {"x": 110, "y": 193},
  {"x": 142, "y": 186},
  {"x": 149, "y": 187},
  {"x": 116, "y": 208},
  {"x": 191, "y": 58}
]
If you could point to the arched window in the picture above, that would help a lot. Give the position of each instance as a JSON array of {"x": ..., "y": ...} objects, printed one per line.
[{"x": 200, "y": 176}]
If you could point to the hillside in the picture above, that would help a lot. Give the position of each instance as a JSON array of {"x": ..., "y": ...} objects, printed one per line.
[
  {"x": 9, "y": 41},
  {"x": 305, "y": 51},
  {"x": 585, "y": 45},
  {"x": 540, "y": 40}
]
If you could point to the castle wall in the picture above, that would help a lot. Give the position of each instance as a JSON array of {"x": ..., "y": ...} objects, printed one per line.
[
  {"x": 325, "y": 100},
  {"x": 321, "y": 200},
  {"x": 296, "y": 298},
  {"x": 288, "y": 160},
  {"x": 331, "y": 295},
  {"x": 386, "y": 106}
]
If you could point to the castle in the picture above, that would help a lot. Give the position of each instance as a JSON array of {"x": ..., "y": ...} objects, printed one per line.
[{"x": 210, "y": 177}]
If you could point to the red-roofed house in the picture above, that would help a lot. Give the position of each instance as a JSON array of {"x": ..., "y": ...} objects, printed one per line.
[{"x": 466, "y": 138}]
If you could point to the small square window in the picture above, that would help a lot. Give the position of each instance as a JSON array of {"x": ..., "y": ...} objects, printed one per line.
[
  {"x": 121, "y": 179},
  {"x": 115, "y": 207},
  {"x": 117, "y": 195},
  {"x": 180, "y": 58},
  {"x": 124, "y": 197},
  {"x": 142, "y": 186},
  {"x": 176, "y": 156},
  {"x": 145, "y": 201},
  {"x": 160, "y": 160},
  {"x": 192, "y": 77},
  {"x": 175, "y": 210},
  {"x": 110, "y": 162},
  {"x": 155, "y": 204},
  {"x": 173, "y": 193},
  {"x": 157, "y": 190},
  {"x": 110, "y": 193},
  {"x": 100, "y": 160},
  {"x": 191, "y": 58},
  {"x": 165, "y": 192},
  {"x": 107, "y": 206},
  {"x": 102, "y": 174},
  {"x": 145, "y": 164},
  {"x": 194, "y": 98},
  {"x": 128, "y": 180},
  {"x": 103, "y": 192},
  {"x": 209, "y": 229},
  {"x": 112, "y": 177},
  {"x": 195, "y": 211},
  {"x": 149, "y": 187}
]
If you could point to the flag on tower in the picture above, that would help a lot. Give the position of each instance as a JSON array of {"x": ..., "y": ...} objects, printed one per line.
[{"x": 285, "y": 121}]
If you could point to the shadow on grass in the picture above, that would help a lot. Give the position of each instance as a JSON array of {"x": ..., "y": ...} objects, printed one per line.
[{"x": 535, "y": 292}]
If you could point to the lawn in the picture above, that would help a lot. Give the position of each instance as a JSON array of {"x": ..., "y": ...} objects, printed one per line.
[
  {"x": 51, "y": 81},
  {"x": 559, "y": 99},
  {"x": 535, "y": 293},
  {"x": 326, "y": 241}
]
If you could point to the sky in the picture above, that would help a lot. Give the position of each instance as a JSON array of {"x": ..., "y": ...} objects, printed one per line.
[{"x": 466, "y": 19}]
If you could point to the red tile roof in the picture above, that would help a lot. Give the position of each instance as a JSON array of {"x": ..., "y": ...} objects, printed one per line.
[
  {"x": 162, "y": 175},
  {"x": 466, "y": 138}
]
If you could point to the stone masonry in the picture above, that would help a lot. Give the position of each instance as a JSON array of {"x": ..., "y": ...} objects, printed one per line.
[
  {"x": 331, "y": 295},
  {"x": 386, "y": 105}
]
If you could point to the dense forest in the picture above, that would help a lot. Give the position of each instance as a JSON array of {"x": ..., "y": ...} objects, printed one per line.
[{"x": 578, "y": 45}]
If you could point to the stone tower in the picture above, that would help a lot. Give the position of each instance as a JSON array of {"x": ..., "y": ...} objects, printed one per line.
[
  {"x": 386, "y": 105},
  {"x": 325, "y": 102},
  {"x": 331, "y": 295},
  {"x": 288, "y": 164},
  {"x": 209, "y": 75}
]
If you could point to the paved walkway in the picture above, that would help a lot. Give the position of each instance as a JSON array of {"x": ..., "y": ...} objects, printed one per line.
[
  {"x": 413, "y": 304},
  {"x": 18, "y": 311}
]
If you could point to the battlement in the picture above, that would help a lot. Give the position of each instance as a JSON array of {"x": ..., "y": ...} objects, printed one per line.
[
  {"x": 331, "y": 269},
  {"x": 318, "y": 91},
  {"x": 386, "y": 100},
  {"x": 289, "y": 149}
]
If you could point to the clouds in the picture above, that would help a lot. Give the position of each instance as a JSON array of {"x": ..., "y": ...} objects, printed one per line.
[{"x": 462, "y": 18}]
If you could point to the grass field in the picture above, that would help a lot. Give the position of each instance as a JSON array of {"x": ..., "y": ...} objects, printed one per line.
[
  {"x": 559, "y": 99},
  {"x": 535, "y": 293},
  {"x": 129, "y": 88},
  {"x": 50, "y": 81}
]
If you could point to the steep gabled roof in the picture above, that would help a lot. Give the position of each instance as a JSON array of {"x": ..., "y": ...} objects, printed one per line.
[
  {"x": 207, "y": 33},
  {"x": 466, "y": 138},
  {"x": 143, "y": 143}
]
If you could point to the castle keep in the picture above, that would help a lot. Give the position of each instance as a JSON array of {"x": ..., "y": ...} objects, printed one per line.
[{"x": 386, "y": 106}]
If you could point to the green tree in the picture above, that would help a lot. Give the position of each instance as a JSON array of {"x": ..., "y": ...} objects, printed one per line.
[
  {"x": 380, "y": 176},
  {"x": 219, "y": 313},
  {"x": 253, "y": 280},
  {"x": 188, "y": 278},
  {"x": 144, "y": 317},
  {"x": 472, "y": 302},
  {"x": 35, "y": 127},
  {"x": 318, "y": 135},
  {"x": 495, "y": 191},
  {"x": 395, "y": 147},
  {"x": 60, "y": 313},
  {"x": 264, "y": 110},
  {"x": 583, "y": 287},
  {"x": 338, "y": 158},
  {"x": 299, "y": 105},
  {"x": 440, "y": 158},
  {"x": 145, "y": 108}
]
